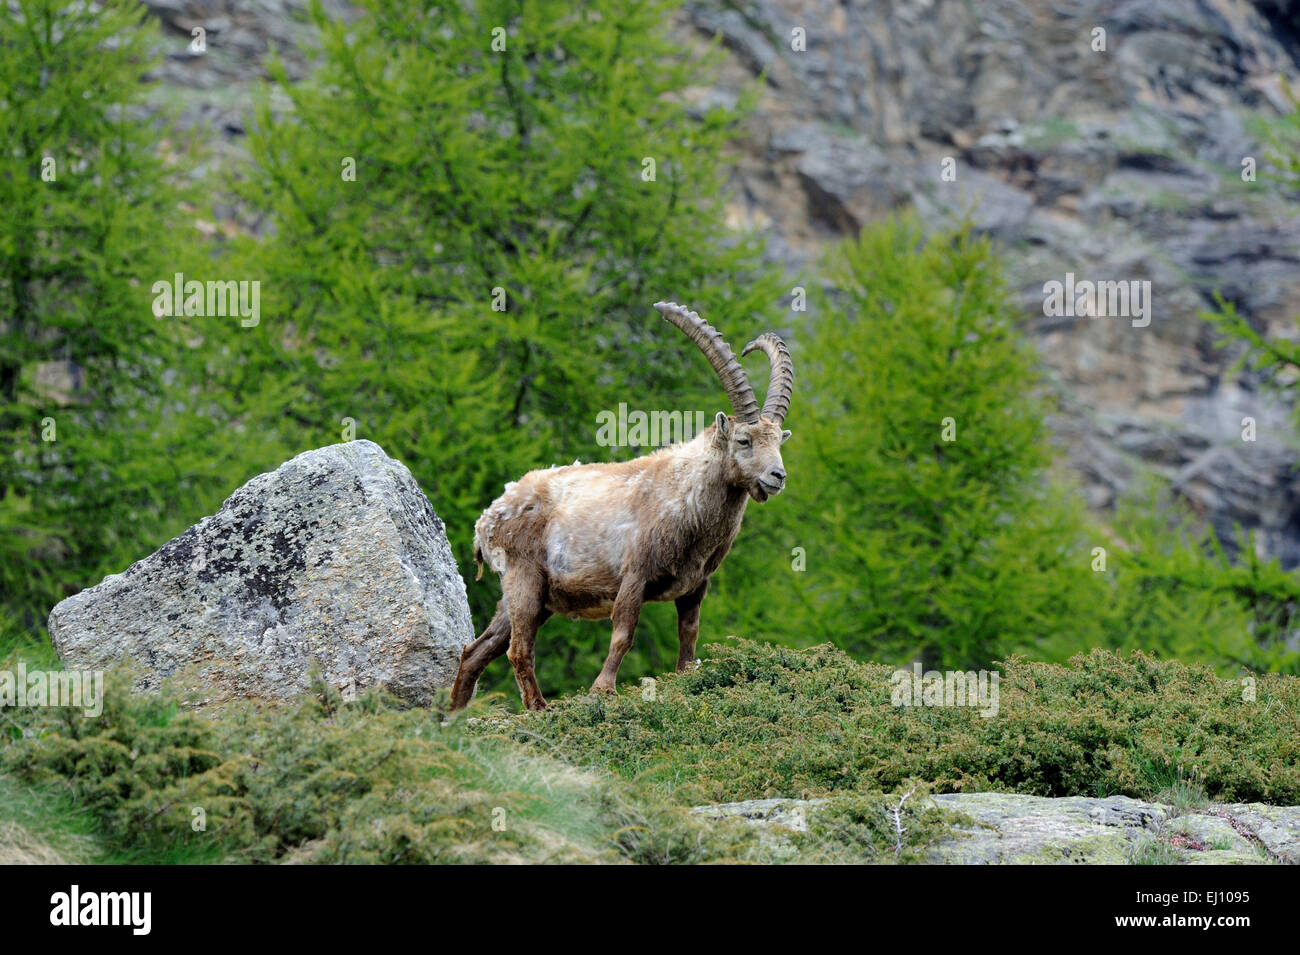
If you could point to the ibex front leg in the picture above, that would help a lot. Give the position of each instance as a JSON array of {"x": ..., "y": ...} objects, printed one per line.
[
  {"x": 523, "y": 593},
  {"x": 627, "y": 610},
  {"x": 688, "y": 624}
]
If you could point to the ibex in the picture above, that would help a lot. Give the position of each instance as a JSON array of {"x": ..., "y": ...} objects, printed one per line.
[{"x": 598, "y": 540}]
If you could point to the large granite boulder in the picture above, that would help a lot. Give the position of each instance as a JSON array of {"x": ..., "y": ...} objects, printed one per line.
[{"x": 335, "y": 558}]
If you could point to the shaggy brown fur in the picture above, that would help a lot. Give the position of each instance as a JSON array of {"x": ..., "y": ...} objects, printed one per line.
[{"x": 599, "y": 540}]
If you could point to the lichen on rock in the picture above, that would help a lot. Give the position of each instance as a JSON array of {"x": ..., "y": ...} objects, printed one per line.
[{"x": 335, "y": 560}]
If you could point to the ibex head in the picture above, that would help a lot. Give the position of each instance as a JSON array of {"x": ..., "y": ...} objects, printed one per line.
[{"x": 750, "y": 438}]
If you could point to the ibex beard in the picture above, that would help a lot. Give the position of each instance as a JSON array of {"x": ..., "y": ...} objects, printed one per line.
[{"x": 592, "y": 541}]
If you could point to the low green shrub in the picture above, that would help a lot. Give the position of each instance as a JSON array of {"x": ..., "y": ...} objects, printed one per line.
[
  {"x": 323, "y": 781},
  {"x": 758, "y": 721}
]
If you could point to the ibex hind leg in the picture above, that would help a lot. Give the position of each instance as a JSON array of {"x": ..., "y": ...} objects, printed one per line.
[
  {"x": 475, "y": 658},
  {"x": 524, "y": 598}
]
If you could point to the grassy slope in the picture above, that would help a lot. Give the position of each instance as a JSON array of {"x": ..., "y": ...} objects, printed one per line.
[
  {"x": 606, "y": 779},
  {"x": 319, "y": 781}
]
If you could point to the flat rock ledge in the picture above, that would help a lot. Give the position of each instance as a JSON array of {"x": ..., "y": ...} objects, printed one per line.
[
  {"x": 335, "y": 560},
  {"x": 1007, "y": 828}
]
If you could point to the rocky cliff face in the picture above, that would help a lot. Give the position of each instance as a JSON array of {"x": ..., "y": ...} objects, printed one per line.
[
  {"x": 1115, "y": 164},
  {"x": 1123, "y": 164}
]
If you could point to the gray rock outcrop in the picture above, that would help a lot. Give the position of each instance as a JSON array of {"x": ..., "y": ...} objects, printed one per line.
[
  {"x": 335, "y": 559},
  {"x": 1013, "y": 829}
]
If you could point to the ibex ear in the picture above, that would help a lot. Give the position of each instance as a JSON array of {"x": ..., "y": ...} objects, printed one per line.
[
  {"x": 785, "y": 436},
  {"x": 723, "y": 423}
]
